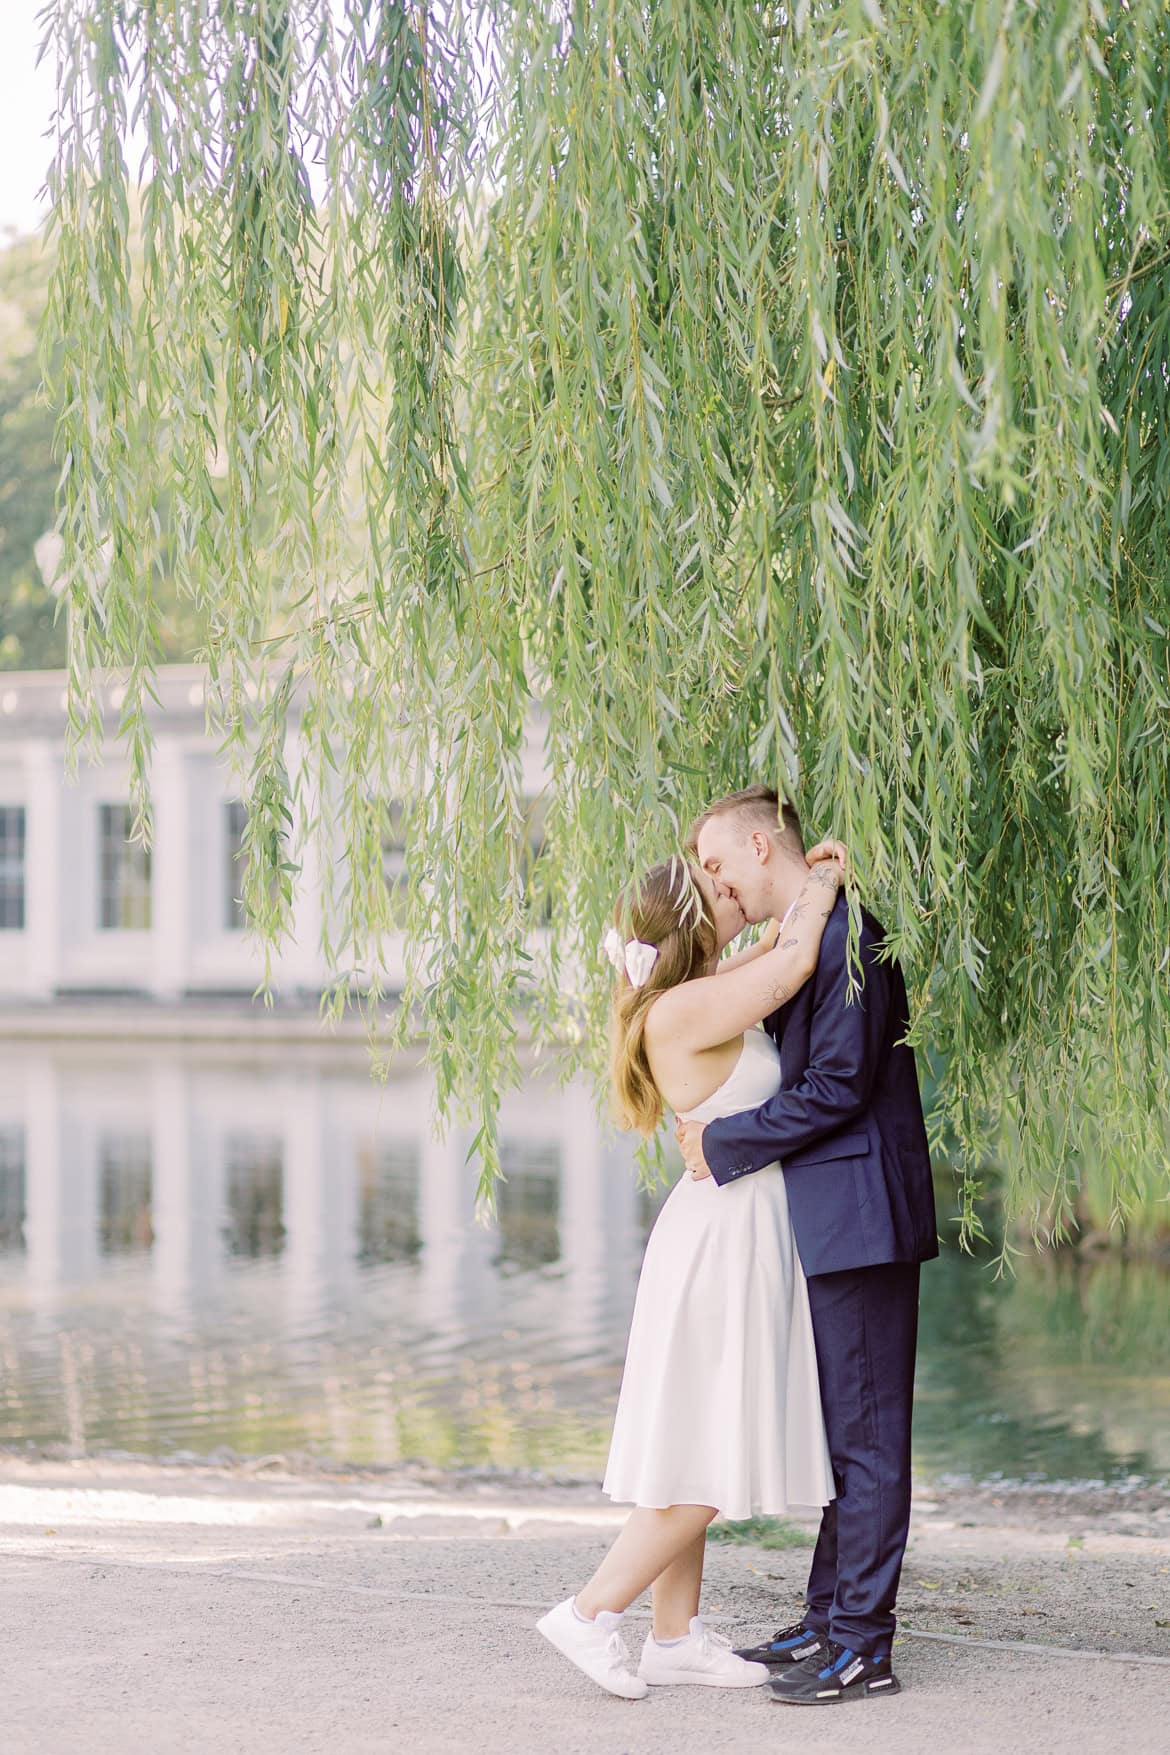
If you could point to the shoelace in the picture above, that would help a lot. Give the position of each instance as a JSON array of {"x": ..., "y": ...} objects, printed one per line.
[
  {"x": 786, "y": 1633},
  {"x": 710, "y": 1643},
  {"x": 831, "y": 1656},
  {"x": 617, "y": 1649}
]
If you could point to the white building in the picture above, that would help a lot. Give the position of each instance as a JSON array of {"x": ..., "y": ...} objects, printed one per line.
[
  {"x": 83, "y": 911},
  {"x": 151, "y": 1150}
]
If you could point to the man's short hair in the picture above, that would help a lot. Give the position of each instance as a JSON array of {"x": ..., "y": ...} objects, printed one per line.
[{"x": 756, "y": 807}]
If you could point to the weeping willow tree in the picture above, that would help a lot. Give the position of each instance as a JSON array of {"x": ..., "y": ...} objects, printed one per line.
[{"x": 731, "y": 391}]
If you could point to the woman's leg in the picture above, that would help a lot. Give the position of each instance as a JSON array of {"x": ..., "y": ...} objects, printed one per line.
[
  {"x": 649, "y": 1542},
  {"x": 675, "y": 1592}
]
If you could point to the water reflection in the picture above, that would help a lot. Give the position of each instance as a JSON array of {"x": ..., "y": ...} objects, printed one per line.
[
  {"x": 201, "y": 1247},
  {"x": 11, "y": 1189},
  {"x": 389, "y": 1212},
  {"x": 528, "y": 1207},
  {"x": 123, "y": 1165},
  {"x": 254, "y": 1194}
]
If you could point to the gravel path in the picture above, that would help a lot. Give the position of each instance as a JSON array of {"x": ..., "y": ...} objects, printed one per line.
[{"x": 156, "y": 1611}]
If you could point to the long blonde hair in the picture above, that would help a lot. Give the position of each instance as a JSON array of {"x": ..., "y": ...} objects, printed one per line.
[{"x": 667, "y": 908}]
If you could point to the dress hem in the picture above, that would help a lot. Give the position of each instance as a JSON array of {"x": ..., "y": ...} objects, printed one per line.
[{"x": 810, "y": 1508}]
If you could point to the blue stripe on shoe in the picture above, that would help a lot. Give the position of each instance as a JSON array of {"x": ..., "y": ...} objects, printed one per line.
[
  {"x": 845, "y": 1658},
  {"x": 787, "y": 1644}
]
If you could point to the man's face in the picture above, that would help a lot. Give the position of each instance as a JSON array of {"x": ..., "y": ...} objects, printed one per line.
[
  {"x": 737, "y": 861},
  {"x": 726, "y": 911}
]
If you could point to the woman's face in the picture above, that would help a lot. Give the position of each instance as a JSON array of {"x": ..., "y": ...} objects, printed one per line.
[{"x": 729, "y": 916}]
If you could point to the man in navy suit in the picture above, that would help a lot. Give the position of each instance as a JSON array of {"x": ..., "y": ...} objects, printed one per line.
[{"x": 846, "y": 1127}]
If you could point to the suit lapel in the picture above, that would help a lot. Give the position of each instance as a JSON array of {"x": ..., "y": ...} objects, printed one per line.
[{"x": 779, "y": 1020}]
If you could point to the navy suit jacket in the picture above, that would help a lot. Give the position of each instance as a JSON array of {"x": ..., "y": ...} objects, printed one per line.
[{"x": 846, "y": 1123}]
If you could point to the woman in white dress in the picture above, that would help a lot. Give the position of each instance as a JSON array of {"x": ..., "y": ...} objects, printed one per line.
[{"x": 719, "y": 1410}]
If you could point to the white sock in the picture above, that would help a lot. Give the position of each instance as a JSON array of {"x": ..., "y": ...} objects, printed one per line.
[
  {"x": 680, "y": 1641},
  {"x": 588, "y": 1619}
]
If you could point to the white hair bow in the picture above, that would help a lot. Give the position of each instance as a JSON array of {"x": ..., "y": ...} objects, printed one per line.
[{"x": 636, "y": 958}]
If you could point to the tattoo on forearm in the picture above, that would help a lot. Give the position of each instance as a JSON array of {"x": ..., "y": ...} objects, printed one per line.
[{"x": 826, "y": 879}]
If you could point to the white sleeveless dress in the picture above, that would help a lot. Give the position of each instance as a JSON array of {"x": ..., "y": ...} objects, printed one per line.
[{"x": 720, "y": 1400}]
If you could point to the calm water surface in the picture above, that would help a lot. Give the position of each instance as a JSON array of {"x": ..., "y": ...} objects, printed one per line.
[{"x": 204, "y": 1247}]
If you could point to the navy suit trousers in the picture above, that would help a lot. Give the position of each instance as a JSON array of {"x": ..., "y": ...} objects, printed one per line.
[{"x": 865, "y": 1321}]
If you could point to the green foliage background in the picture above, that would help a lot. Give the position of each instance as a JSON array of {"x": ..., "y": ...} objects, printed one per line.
[
  {"x": 29, "y": 637},
  {"x": 32, "y": 635},
  {"x": 762, "y": 391}
]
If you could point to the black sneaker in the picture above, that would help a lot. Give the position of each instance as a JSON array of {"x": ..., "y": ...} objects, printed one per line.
[
  {"x": 838, "y": 1674},
  {"x": 790, "y": 1646}
]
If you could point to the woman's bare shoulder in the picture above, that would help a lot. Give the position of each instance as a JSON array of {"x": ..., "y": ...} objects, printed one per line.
[{"x": 669, "y": 1014}]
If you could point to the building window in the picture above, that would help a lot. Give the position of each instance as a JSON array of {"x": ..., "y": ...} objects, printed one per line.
[
  {"x": 124, "y": 873},
  {"x": 124, "y": 1175},
  {"x": 255, "y": 1195},
  {"x": 538, "y": 902},
  {"x": 528, "y": 1204},
  {"x": 389, "y": 1227},
  {"x": 11, "y": 1189},
  {"x": 235, "y": 822},
  {"x": 236, "y": 858},
  {"x": 394, "y": 854},
  {"x": 12, "y": 868}
]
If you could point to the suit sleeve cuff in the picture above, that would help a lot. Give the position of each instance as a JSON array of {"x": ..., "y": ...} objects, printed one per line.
[{"x": 722, "y": 1160}]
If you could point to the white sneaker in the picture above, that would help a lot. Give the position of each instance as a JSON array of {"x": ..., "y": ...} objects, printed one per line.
[
  {"x": 595, "y": 1647},
  {"x": 702, "y": 1657}
]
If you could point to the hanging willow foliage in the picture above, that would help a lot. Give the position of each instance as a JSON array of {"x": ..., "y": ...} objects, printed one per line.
[{"x": 746, "y": 391}]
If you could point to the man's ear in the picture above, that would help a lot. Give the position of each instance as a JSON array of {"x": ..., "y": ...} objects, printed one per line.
[{"x": 762, "y": 845}]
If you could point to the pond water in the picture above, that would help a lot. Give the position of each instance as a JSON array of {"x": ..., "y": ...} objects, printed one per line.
[{"x": 208, "y": 1247}]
